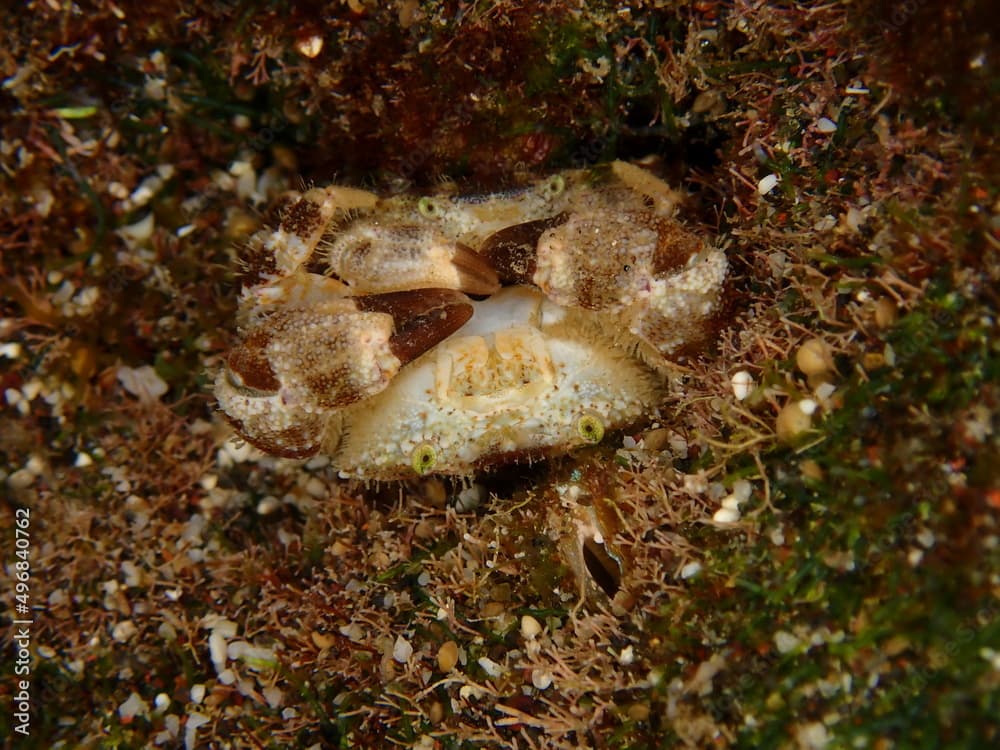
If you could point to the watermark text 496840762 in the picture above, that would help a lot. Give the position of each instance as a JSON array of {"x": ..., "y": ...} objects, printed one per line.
[{"x": 22, "y": 623}]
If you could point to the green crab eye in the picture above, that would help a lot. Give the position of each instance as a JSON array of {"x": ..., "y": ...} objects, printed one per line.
[
  {"x": 590, "y": 428},
  {"x": 423, "y": 458},
  {"x": 555, "y": 186},
  {"x": 428, "y": 208}
]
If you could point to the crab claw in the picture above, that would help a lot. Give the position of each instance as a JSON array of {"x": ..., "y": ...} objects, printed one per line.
[
  {"x": 681, "y": 305},
  {"x": 297, "y": 365},
  {"x": 604, "y": 260},
  {"x": 276, "y": 253},
  {"x": 512, "y": 251},
  {"x": 639, "y": 265},
  {"x": 423, "y": 318},
  {"x": 372, "y": 257}
]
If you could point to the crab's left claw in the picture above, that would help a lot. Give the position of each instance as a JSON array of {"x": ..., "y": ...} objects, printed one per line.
[
  {"x": 639, "y": 266},
  {"x": 298, "y": 365},
  {"x": 683, "y": 305},
  {"x": 422, "y": 318},
  {"x": 608, "y": 260}
]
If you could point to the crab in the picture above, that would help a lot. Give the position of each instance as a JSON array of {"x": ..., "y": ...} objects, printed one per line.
[{"x": 449, "y": 334}]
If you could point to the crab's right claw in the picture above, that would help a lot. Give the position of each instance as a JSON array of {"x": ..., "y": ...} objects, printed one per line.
[
  {"x": 297, "y": 366},
  {"x": 513, "y": 251},
  {"x": 373, "y": 258}
]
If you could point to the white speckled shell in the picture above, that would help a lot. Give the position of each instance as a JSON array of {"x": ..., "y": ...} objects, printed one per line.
[{"x": 603, "y": 285}]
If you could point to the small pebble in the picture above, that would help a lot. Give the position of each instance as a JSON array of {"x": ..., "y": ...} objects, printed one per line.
[
  {"x": 767, "y": 184},
  {"x": 541, "y": 679},
  {"x": 10, "y": 350},
  {"x": 785, "y": 641},
  {"x": 273, "y": 695},
  {"x": 490, "y": 667},
  {"x": 137, "y": 233},
  {"x": 808, "y": 406},
  {"x": 447, "y": 656},
  {"x": 741, "y": 490},
  {"x": 124, "y": 630},
  {"x": 814, "y": 357},
  {"x": 730, "y": 502},
  {"x": 812, "y": 736},
  {"x": 709, "y": 101},
  {"x": 217, "y": 650},
  {"x": 309, "y": 46},
  {"x": 142, "y": 382},
  {"x": 726, "y": 515},
  {"x": 530, "y": 627},
  {"x": 826, "y": 125},
  {"x": 742, "y": 384},
  {"x": 885, "y": 313},
  {"x": 494, "y": 609},
  {"x": 622, "y": 603},
  {"x": 469, "y": 498},
  {"x": 402, "y": 650},
  {"x": 811, "y": 470},
  {"x": 638, "y": 712},
  {"x": 470, "y": 693},
  {"x": 134, "y": 706},
  {"x": 656, "y": 439},
  {"x": 825, "y": 390},
  {"x": 793, "y": 420},
  {"x": 691, "y": 570}
]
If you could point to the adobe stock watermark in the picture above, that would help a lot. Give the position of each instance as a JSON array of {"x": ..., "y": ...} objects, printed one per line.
[
  {"x": 901, "y": 13},
  {"x": 21, "y": 637},
  {"x": 922, "y": 676}
]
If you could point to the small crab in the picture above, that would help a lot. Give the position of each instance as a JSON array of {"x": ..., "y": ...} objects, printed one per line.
[{"x": 405, "y": 336}]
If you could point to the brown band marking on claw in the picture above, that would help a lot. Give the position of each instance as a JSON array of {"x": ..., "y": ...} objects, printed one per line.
[
  {"x": 674, "y": 246},
  {"x": 423, "y": 317},
  {"x": 513, "y": 251},
  {"x": 249, "y": 362}
]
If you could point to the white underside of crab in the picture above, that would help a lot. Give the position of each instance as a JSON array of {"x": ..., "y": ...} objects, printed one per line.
[
  {"x": 385, "y": 364},
  {"x": 523, "y": 376}
]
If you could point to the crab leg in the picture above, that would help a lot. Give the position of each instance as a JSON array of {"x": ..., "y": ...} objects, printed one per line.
[{"x": 279, "y": 253}]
